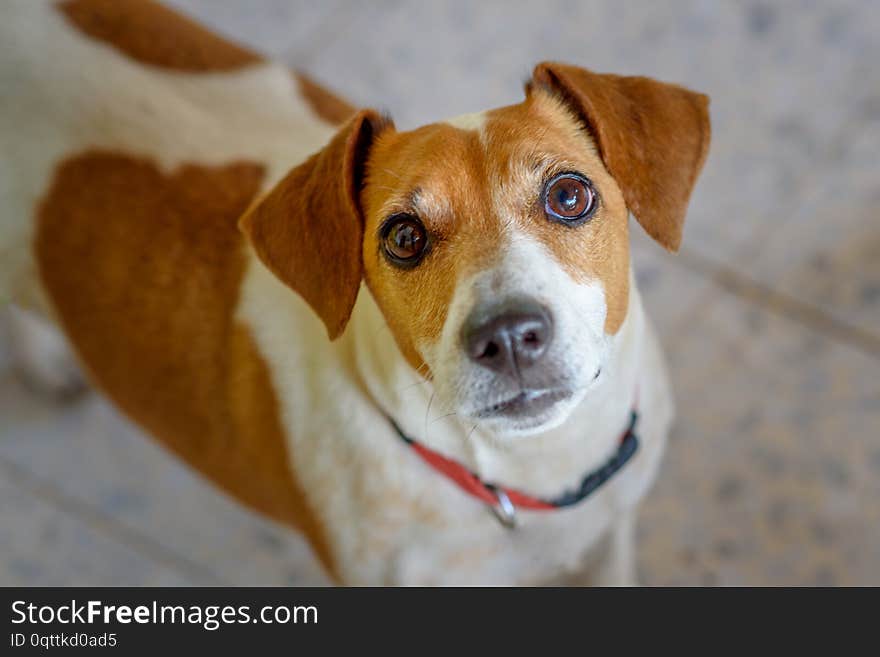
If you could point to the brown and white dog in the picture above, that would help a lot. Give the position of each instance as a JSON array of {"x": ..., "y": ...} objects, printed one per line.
[{"x": 272, "y": 283}]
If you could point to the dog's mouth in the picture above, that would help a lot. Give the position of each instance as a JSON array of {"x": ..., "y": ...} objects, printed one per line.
[{"x": 528, "y": 403}]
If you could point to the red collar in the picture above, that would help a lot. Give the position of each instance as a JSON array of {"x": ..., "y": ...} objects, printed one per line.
[{"x": 504, "y": 501}]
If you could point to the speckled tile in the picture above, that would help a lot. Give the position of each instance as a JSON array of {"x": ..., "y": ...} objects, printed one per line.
[
  {"x": 268, "y": 26},
  {"x": 673, "y": 295},
  {"x": 425, "y": 62},
  {"x": 43, "y": 546},
  {"x": 91, "y": 454},
  {"x": 773, "y": 471},
  {"x": 786, "y": 80},
  {"x": 828, "y": 253}
]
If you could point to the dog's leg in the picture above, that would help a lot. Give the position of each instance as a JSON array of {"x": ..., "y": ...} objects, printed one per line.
[
  {"x": 617, "y": 567},
  {"x": 41, "y": 355},
  {"x": 611, "y": 562}
]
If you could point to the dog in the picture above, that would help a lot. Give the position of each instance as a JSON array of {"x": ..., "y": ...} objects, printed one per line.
[{"x": 424, "y": 350}]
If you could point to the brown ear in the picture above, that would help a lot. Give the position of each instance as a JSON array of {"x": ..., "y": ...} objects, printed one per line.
[
  {"x": 309, "y": 229},
  {"x": 652, "y": 136}
]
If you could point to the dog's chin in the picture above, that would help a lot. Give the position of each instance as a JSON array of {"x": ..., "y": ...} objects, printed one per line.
[{"x": 527, "y": 413}]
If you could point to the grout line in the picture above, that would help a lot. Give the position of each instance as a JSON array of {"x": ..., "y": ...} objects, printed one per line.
[
  {"x": 704, "y": 302},
  {"x": 763, "y": 295},
  {"x": 104, "y": 523},
  {"x": 783, "y": 304}
]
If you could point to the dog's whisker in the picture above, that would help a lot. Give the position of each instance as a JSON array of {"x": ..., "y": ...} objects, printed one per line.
[
  {"x": 441, "y": 417},
  {"x": 409, "y": 386},
  {"x": 428, "y": 412}
]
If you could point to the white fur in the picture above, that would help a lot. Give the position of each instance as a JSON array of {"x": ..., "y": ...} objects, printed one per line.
[{"x": 473, "y": 121}]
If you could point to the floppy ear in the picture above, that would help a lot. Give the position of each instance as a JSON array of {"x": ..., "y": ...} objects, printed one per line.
[
  {"x": 309, "y": 229},
  {"x": 652, "y": 136}
]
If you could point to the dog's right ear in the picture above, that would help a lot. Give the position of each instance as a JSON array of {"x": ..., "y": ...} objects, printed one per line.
[{"x": 309, "y": 229}]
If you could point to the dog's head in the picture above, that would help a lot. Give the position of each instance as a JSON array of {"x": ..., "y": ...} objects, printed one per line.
[{"x": 495, "y": 244}]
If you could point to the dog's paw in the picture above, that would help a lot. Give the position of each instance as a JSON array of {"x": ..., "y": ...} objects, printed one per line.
[{"x": 42, "y": 357}]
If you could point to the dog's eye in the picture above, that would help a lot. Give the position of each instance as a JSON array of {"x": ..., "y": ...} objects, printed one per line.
[
  {"x": 404, "y": 240},
  {"x": 569, "y": 197}
]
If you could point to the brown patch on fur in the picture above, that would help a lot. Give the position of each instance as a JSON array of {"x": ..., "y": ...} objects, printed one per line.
[
  {"x": 143, "y": 269},
  {"x": 308, "y": 230},
  {"x": 437, "y": 173},
  {"x": 325, "y": 105},
  {"x": 653, "y": 138},
  {"x": 153, "y": 34}
]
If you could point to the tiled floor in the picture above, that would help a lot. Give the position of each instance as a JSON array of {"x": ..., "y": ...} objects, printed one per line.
[{"x": 771, "y": 314}]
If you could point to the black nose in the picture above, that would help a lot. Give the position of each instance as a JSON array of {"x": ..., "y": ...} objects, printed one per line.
[{"x": 508, "y": 338}]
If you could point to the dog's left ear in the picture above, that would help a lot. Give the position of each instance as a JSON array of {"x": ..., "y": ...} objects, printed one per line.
[
  {"x": 309, "y": 229},
  {"x": 652, "y": 136}
]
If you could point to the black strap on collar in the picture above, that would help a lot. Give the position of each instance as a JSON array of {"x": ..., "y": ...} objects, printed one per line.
[
  {"x": 629, "y": 443},
  {"x": 593, "y": 480}
]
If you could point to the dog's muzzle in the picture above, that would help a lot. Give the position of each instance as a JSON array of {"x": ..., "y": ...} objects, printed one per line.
[{"x": 510, "y": 338}]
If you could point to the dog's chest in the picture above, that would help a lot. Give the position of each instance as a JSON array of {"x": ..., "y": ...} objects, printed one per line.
[
  {"x": 389, "y": 516},
  {"x": 473, "y": 547},
  {"x": 401, "y": 522}
]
